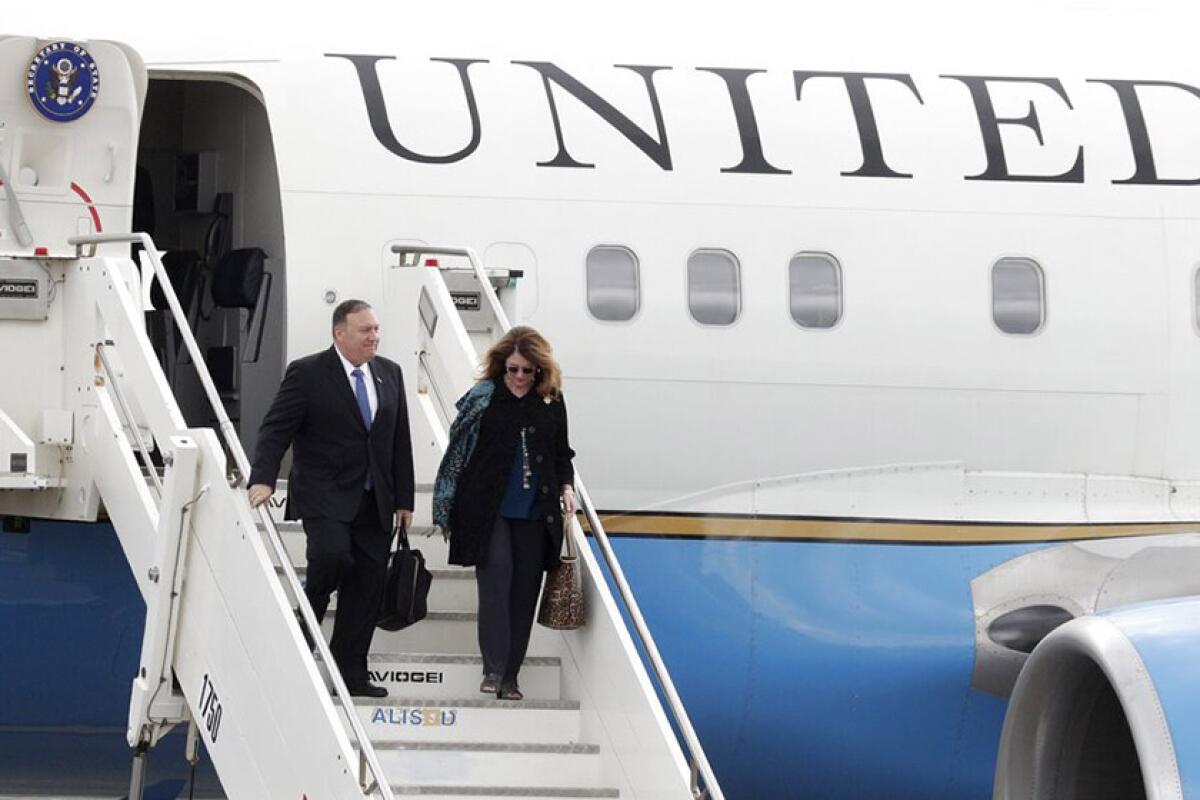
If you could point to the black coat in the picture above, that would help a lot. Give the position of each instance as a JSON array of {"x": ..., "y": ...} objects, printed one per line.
[
  {"x": 485, "y": 476},
  {"x": 317, "y": 414}
]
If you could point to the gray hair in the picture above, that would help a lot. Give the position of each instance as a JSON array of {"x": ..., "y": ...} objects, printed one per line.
[{"x": 345, "y": 309}]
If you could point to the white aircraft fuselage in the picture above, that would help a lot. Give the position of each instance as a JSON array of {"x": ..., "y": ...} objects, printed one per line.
[{"x": 764, "y": 441}]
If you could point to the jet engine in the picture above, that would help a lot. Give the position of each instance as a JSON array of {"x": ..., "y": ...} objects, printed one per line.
[{"x": 1108, "y": 708}]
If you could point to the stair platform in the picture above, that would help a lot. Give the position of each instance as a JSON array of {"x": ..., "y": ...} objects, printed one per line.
[
  {"x": 491, "y": 764},
  {"x": 469, "y": 719}
]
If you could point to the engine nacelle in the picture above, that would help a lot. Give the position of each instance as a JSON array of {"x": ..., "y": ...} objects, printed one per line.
[{"x": 1108, "y": 708}]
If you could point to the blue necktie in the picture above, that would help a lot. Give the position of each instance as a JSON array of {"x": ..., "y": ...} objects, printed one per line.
[
  {"x": 364, "y": 407},
  {"x": 364, "y": 400}
]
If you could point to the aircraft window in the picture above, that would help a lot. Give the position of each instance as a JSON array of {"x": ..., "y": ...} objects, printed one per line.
[
  {"x": 613, "y": 293},
  {"x": 1018, "y": 295},
  {"x": 714, "y": 287},
  {"x": 815, "y": 290}
]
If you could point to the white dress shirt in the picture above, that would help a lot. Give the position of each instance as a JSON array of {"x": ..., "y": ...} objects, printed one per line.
[{"x": 368, "y": 378}]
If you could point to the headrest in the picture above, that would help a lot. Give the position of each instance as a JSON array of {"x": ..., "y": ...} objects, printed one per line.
[{"x": 237, "y": 278}]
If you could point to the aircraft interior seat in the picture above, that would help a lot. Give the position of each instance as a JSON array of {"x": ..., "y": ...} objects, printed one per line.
[
  {"x": 183, "y": 271},
  {"x": 238, "y": 277},
  {"x": 216, "y": 243},
  {"x": 218, "y": 235},
  {"x": 239, "y": 280}
]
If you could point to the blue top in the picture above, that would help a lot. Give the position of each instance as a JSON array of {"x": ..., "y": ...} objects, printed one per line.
[{"x": 519, "y": 502}]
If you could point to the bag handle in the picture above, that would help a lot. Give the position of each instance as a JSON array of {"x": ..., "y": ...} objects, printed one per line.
[
  {"x": 400, "y": 532},
  {"x": 570, "y": 552}
]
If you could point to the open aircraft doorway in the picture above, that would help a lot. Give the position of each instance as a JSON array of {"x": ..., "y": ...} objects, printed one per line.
[{"x": 208, "y": 192}]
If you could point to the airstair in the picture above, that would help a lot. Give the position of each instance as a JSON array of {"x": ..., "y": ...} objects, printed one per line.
[
  {"x": 89, "y": 428},
  {"x": 591, "y": 724}
]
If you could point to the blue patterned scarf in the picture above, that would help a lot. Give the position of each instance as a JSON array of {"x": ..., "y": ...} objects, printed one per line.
[{"x": 464, "y": 433}]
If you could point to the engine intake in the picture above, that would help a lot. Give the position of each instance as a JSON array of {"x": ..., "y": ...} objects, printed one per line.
[{"x": 1085, "y": 722}]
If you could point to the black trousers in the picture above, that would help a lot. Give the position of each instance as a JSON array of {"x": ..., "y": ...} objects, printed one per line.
[
  {"x": 509, "y": 579},
  {"x": 350, "y": 557}
]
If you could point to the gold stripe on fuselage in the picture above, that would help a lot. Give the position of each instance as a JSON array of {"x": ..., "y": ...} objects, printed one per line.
[{"x": 881, "y": 531}]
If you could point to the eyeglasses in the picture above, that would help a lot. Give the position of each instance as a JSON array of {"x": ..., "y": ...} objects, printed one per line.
[{"x": 513, "y": 369}]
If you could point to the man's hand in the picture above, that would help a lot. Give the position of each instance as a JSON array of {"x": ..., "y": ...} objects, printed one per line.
[
  {"x": 403, "y": 518},
  {"x": 259, "y": 494},
  {"x": 568, "y": 499}
]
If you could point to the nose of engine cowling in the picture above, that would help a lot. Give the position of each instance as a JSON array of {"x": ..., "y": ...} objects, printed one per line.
[{"x": 1085, "y": 720}]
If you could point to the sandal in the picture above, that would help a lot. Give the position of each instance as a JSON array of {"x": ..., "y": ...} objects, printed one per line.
[
  {"x": 509, "y": 691},
  {"x": 490, "y": 684}
]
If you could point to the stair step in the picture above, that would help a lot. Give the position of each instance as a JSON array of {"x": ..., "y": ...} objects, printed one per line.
[
  {"x": 492, "y": 747},
  {"x": 454, "y": 632},
  {"x": 295, "y": 526},
  {"x": 462, "y": 574},
  {"x": 491, "y": 764},
  {"x": 441, "y": 676},
  {"x": 482, "y": 701},
  {"x": 435, "y": 549},
  {"x": 452, "y": 587},
  {"x": 506, "y": 792},
  {"x": 444, "y": 676},
  {"x": 423, "y": 719}
]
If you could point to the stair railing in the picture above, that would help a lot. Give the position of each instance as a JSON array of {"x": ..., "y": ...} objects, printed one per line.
[
  {"x": 371, "y": 778},
  {"x": 703, "y": 779}
]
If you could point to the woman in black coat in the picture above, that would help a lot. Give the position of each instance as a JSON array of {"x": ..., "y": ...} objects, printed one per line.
[{"x": 506, "y": 519}]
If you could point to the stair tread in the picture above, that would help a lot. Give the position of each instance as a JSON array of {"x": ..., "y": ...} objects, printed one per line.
[
  {"x": 431, "y": 616},
  {"x": 532, "y": 704},
  {"x": 450, "y": 658},
  {"x": 507, "y": 791},
  {"x": 297, "y": 526},
  {"x": 572, "y": 748},
  {"x": 438, "y": 573},
  {"x": 452, "y": 616}
]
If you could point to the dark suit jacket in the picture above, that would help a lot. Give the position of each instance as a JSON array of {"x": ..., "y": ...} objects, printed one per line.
[{"x": 316, "y": 413}]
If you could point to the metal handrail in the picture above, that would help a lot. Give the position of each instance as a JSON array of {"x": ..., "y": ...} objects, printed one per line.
[
  {"x": 127, "y": 412},
  {"x": 699, "y": 761},
  {"x": 423, "y": 358},
  {"x": 476, "y": 267},
  {"x": 367, "y": 757}
]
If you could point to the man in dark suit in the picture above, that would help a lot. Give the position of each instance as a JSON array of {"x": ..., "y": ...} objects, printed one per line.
[{"x": 344, "y": 414}]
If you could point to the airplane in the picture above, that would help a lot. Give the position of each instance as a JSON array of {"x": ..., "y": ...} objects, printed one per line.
[{"x": 880, "y": 330}]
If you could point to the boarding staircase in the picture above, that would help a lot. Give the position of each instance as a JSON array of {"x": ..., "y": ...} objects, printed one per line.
[
  {"x": 91, "y": 429},
  {"x": 590, "y": 724}
]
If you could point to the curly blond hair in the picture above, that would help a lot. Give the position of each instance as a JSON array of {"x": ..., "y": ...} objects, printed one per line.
[{"x": 532, "y": 346}]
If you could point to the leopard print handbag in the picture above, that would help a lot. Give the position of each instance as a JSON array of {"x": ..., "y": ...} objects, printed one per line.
[{"x": 561, "y": 607}]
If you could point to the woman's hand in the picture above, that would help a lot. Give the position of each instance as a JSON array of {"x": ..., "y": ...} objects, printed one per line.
[{"x": 568, "y": 500}]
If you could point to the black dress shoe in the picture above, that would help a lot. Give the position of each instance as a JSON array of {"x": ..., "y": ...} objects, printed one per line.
[
  {"x": 367, "y": 689},
  {"x": 308, "y": 639}
]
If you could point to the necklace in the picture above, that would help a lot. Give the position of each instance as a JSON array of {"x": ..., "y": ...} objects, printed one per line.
[{"x": 526, "y": 472}]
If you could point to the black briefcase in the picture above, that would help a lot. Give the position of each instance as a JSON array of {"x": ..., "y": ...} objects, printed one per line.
[{"x": 407, "y": 589}]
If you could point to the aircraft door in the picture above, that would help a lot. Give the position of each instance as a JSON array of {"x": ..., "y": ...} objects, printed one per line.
[{"x": 208, "y": 191}]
